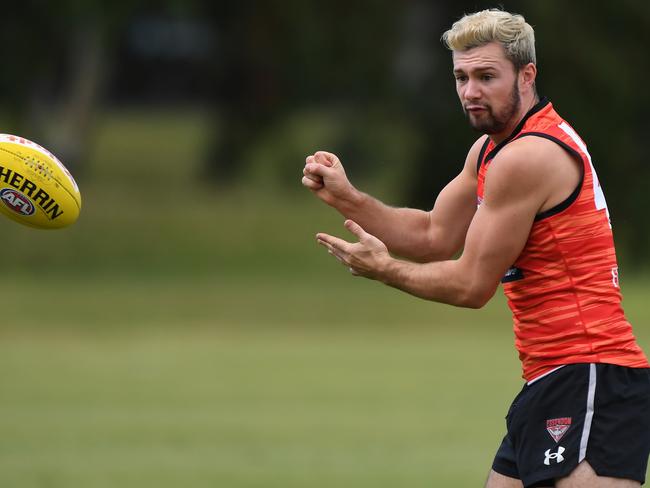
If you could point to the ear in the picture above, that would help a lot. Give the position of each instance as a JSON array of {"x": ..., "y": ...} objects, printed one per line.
[{"x": 527, "y": 76}]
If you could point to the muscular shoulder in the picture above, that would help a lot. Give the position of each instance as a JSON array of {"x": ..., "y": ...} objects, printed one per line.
[
  {"x": 524, "y": 159},
  {"x": 533, "y": 167},
  {"x": 536, "y": 152}
]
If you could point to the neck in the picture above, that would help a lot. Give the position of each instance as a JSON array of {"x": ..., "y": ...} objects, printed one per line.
[{"x": 527, "y": 103}]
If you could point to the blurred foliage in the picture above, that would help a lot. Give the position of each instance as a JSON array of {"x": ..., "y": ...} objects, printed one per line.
[{"x": 368, "y": 80}]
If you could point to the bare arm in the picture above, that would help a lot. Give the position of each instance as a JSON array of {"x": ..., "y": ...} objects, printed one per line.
[
  {"x": 411, "y": 233},
  {"x": 514, "y": 194}
]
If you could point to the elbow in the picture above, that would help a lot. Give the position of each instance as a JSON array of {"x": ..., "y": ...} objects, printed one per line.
[
  {"x": 475, "y": 297},
  {"x": 434, "y": 247},
  {"x": 476, "y": 303}
]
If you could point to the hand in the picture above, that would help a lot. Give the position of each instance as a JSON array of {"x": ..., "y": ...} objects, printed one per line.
[
  {"x": 325, "y": 177},
  {"x": 369, "y": 257}
]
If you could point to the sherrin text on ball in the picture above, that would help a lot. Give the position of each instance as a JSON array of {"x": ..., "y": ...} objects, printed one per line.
[{"x": 36, "y": 189}]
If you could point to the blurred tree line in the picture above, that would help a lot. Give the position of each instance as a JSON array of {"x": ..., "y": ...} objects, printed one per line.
[{"x": 367, "y": 79}]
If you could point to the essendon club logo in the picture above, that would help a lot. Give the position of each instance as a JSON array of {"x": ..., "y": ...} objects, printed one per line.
[
  {"x": 16, "y": 201},
  {"x": 558, "y": 427}
]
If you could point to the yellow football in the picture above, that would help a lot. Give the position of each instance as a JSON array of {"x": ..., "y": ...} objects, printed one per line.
[{"x": 35, "y": 188}]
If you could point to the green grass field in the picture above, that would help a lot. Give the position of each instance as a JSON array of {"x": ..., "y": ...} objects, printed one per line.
[
  {"x": 250, "y": 385},
  {"x": 236, "y": 399},
  {"x": 208, "y": 342}
]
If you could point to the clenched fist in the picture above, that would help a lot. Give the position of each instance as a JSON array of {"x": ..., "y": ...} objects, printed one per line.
[{"x": 325, "y": 177}]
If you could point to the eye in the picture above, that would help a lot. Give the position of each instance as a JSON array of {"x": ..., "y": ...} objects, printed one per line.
[
  {"x": 487, "y": 77},
  {"x": 461, "y": 78}
]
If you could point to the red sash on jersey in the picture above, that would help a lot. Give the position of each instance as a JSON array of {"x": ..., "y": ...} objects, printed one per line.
[{"x": 563, "y": 289}]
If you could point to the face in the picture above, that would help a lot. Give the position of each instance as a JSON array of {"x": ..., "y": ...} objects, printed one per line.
[{"x": 488, "y": 88}]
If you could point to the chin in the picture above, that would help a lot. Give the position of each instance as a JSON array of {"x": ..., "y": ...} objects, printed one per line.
[
  {"x": 487, "y": 127},
  {"x": 483, "y": 129}
]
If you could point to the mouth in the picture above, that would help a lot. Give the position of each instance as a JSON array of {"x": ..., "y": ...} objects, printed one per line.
[{"x": 475, "y": 108}]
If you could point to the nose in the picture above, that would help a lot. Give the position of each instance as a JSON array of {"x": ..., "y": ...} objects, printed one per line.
[{"x": 472, "y": 90}]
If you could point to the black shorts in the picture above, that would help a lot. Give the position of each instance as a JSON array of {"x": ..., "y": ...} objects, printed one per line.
[{"x": 597, "y": 412}]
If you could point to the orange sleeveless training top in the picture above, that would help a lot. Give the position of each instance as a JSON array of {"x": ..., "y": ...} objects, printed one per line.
[{"x": 563, "y": 289}]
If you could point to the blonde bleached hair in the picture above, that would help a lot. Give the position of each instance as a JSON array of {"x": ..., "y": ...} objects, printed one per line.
[{"x": 493, "y": 25}]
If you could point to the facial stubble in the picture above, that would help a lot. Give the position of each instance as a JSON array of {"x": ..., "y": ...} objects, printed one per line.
[{"x": 496, "y": 123}]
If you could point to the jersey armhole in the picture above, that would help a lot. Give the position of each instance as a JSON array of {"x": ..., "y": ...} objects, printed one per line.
[
  {"x": 481, "y": 154},
  {"x": 560, "y": 207}
]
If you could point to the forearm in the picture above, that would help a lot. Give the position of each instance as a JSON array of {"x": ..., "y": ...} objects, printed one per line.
[
  {"x": 405, "y": 231},
  {"x": 443, "y": 282}
]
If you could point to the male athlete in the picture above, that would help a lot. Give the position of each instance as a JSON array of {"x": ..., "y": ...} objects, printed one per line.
[{"x": 527, "y": 210}]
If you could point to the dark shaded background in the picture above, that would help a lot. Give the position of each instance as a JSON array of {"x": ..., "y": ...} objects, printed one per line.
[{"x": 369, "y": 80}]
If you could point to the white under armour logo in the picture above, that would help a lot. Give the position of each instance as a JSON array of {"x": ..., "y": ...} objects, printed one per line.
[{"x": 556, "y": 455}]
